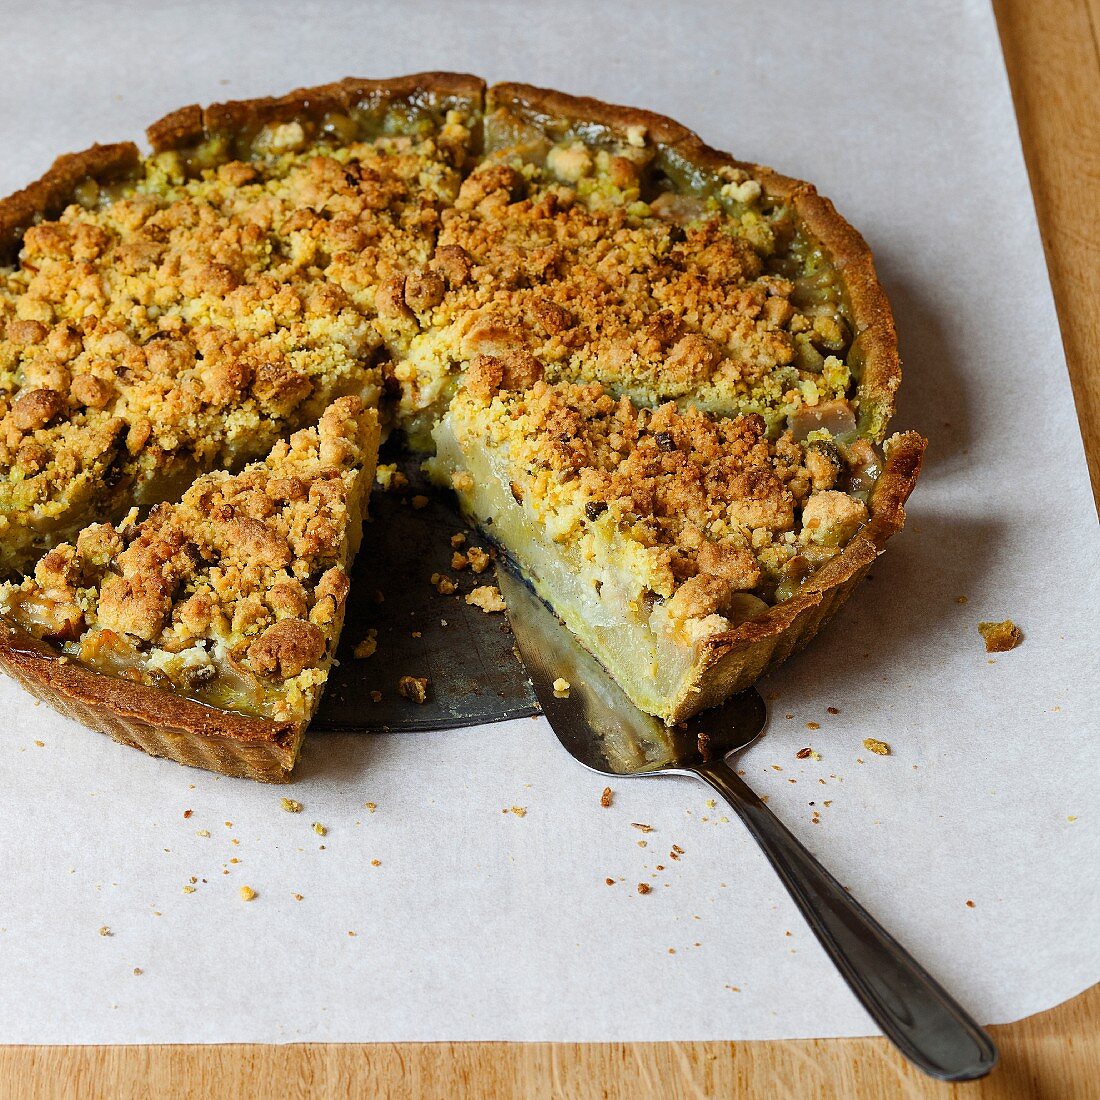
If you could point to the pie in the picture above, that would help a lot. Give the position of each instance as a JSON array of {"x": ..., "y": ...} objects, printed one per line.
[{"x": 660, "y": 379}]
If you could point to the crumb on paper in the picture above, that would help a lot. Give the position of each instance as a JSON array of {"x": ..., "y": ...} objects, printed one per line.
[
  {"x": 961, "y": 599},
  {"x": 138, "y": 971},
  {"x": 609, "y": 881},
  {"x": 1000, "y": 637},
  {"x": 187, "y": 813},
  {"x": 368, "y": 646},
  {"x": 606, "y": 797},
  {"x": 803, "y": 754},
  {"x": 443, "y": 584},
  {"x": 414, "y": 688},
  {"x": 202, "y": 832},
  {"x": 643, "y": 843},
  {"x": 370, "y": 806},
  {"x": 832, "y": 710},
  {"x": 644, "y": 888},
  {"x": 320, "y": 829},
  {"x": 41, "y": 744},
  {"x": 969, "y": 903},
  {"x": 376, "y": 863},
  {"x": 419, "y": 501},
  {"x": 879, "y": 748},
  {"x": 479, "y": 560},
  {"x": 813, "y": 725},
  {"x": 291, "y": 805},
  {"x": 519, "y": 811},
  {"x": 561, "y": 688},
  {"x": 487, "y": 597},
  {"x": 189, "y": 889},
  {"x": 298, "y": 897},
  {"x": 105, "y": 930},
  {"x": 643, "y": 828},
  {"x": 711, "y": 804},
  {"x": 247, "y": 893}
]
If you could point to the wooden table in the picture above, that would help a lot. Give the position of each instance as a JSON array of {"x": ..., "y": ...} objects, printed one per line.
[{"x": 1052, "y": 48}]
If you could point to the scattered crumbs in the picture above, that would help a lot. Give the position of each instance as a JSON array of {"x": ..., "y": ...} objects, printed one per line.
[
  {"x": 187, "y": 813},
  {"x": 138, "y": 971},
  {"x": 813, "y": 725},
  {"x": 189, "y": 889},
  {"x": 644, "y": 888},
  {"x": 642, "y": 828},
  {"x": 609, "y": 881},
  {"x": 606, "y": 797},
  {"x": 676, "y": 852},
  {"x": 1000, "y": 637},
  {"x": 376, "y": 863},
  {"x": 478, "y": 559},
  {"x": 202, "y": 832},
  {"x": 291, "y": 805},
  {"x": 879, "y": 748},
  {"x": 969, "y": 904},
  {"x": 367, "y": 647},
  {"x": 298, "y": 897},
  {"x": 370, "y": 806},
  {"x": 804, "y": 754},
  {"x": 414, "y": 688},
  {"x": 320, "y": 829},
  {"x": 487, "y": 597},
  {"x": 376, "y": 697},
  {"x": 419, "y": 501},
  {"x": 104, "y": 930},
  {"x": 458, "y": 540},
  {"x": 961, "y": 599},
  {"x": 247, "y": 893}
]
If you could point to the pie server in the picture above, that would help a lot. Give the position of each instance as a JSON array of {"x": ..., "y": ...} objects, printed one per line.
[{"x": 602, "y": 729}]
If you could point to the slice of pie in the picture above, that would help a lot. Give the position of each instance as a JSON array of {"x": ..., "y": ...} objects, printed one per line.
[{"x": 205, "y": 631}]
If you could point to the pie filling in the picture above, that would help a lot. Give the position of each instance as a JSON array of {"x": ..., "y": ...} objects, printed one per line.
[{"x": 636, "y": 374}]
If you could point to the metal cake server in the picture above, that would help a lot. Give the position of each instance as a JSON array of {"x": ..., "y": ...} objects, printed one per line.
[{"x": 604, "y": 731}]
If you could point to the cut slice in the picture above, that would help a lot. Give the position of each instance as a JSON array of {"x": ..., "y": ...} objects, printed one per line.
[
  {"x": 663, "y": 536},
  {"x": 205, "y": 632}
]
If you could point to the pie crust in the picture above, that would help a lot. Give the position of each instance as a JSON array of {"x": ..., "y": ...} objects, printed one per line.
[{"x": 161, "y": 722}]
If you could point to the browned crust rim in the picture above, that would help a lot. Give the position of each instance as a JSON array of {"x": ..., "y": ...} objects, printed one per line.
[
  {"x": 50, "y": 194},
  {"x": 190, "y": 125},
  {"x": 183, "y": 729}
]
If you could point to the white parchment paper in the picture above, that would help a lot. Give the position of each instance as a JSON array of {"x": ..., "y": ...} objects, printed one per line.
[{"x": 482, "y": 924}]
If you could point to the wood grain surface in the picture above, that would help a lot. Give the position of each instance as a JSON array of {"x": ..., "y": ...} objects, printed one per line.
[{"x": 1053, "y": 55}]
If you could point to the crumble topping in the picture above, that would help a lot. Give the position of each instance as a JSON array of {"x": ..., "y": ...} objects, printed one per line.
[
  {"x": 1000, "y": 637},
  {"x": 235, "y": 595},
  {"x": 707, "y": 512}
]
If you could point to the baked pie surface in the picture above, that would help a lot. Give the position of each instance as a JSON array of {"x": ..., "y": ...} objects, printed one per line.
[{"x": 660, "y": 378}]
